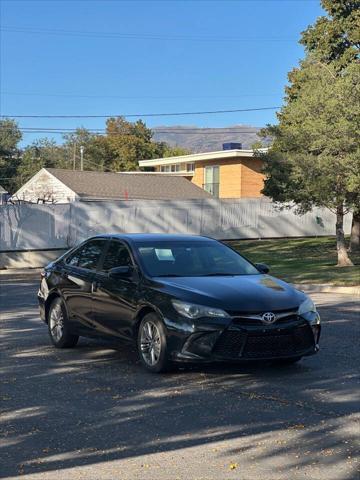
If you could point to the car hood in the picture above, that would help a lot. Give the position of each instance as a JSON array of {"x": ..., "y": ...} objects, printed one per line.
[{"x": 242, "y": 293}]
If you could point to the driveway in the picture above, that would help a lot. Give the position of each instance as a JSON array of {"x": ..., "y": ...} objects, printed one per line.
[{"x": 93, "y": 413}]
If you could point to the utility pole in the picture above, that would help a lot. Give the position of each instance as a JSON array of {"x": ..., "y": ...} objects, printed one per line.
[
  {"x": 74, "y": 157},
  {"x": 81, "y": 158}
]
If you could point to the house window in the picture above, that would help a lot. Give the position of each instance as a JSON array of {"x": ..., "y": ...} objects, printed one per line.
[
  {"x": 190, "y": 167},
  {"x": 170, "y": 168},
  {"x": 212, "y": 180}
]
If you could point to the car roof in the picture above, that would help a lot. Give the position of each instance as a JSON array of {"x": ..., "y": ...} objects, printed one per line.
[{"x": 151, "y": 237}]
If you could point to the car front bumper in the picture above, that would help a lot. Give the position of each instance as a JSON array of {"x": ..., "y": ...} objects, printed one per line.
[{"x": 294, "y": 337}]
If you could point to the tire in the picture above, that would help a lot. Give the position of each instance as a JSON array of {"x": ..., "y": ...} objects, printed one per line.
[
  {"x": 283, "y": 362},
  {"x": 58, "y": 326},
  {"x": 152, "y": 344}
]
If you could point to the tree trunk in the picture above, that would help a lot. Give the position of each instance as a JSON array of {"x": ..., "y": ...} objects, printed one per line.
[
  {"x": 343, "y": 257},
  {"x": 355, "y": 232}
]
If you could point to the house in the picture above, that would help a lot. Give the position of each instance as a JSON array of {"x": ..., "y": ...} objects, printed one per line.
[
  {"x": 228, "y": 173},
  {"x": 4, "y": 195},
  {"x": 53, "y": 185}
]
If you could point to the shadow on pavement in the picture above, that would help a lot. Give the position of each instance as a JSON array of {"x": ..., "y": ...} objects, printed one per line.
[{"x": 95, "y": 403}]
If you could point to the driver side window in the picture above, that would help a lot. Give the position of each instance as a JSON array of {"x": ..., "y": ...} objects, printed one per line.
[
  {"x": 117, "y": 256},
  {"x": 87, "y": 256}
]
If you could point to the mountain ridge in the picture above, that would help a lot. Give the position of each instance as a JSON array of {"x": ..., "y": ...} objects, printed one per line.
[{"x": 206, "y": 139}]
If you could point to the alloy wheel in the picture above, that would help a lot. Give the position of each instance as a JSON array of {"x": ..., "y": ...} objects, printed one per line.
[
  {"x": 56, "y": 323},
  {"x": 150, "y": 342}
]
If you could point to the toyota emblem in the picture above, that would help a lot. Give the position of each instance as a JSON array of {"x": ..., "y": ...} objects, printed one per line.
[{"x": 268, "y": 317}]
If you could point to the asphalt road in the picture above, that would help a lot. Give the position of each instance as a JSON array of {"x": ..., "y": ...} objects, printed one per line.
[{"x": 94, "y": 413}]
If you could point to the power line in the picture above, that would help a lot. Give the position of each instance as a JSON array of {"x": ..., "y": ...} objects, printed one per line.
[
  {"x": 169, "y": 129},
  {"x": 169, "y": 114},
  {"x": 94, "y": 164},
  {"x": 209, "y": 131},
  {"x": 129, "y": 97},
  {"x": 141, "y": 36}
]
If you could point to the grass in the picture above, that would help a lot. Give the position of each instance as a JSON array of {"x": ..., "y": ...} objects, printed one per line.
[{"x": 304, "y": 260}]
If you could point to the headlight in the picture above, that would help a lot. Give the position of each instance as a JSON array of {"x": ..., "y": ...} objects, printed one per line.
[
  {"x": 190, "y": 310},
  {"x": 306, "y": 307}
]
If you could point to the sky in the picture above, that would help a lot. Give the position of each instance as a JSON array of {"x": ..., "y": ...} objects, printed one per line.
[{"x": 94, "y": 57}]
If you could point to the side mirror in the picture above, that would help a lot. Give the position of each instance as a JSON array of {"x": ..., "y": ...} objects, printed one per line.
[
  {"x": 121, "y": 272},
  {"x": 262, "y": 267}
]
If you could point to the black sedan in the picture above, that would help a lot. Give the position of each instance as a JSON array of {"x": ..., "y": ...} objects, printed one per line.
[{"x": 180, "y": 298}]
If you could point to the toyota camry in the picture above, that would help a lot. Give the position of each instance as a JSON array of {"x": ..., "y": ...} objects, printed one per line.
[{"x": 179, "y": 298}]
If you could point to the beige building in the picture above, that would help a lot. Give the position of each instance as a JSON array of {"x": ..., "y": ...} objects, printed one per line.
[{"x": 225, "y": 174}]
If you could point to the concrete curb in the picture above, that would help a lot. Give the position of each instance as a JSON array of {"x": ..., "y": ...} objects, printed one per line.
[{"x": 327, "y": 288}]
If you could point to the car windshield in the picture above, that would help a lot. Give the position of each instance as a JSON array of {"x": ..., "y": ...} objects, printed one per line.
[{"x": 192, "y": 259}]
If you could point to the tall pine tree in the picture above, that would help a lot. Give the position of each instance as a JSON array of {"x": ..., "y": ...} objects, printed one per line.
[{"x": 315, "y": 156}]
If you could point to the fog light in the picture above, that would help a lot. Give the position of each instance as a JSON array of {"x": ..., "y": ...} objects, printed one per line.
[{"x": 201, "y": 343}]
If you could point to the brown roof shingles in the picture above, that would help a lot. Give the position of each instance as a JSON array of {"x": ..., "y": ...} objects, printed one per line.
[{"x": 104, "y": 185}]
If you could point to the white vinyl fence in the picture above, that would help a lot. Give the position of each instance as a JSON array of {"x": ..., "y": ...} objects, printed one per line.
[
  {"x": 34, "y": 227},
  {"x": 41, "y": 227}
]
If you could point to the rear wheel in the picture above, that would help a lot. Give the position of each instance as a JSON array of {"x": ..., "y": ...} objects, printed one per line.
[
  {"x": 152, "y": 344},
  {"x": 58, "y": 326}
]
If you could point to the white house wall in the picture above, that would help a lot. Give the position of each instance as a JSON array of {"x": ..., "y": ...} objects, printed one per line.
[{"x": 45, "y": 187}]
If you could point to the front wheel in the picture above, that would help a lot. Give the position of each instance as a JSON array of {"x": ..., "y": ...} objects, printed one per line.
[
  {"x": 152, "y": 345},
  {"x": 58, "y": 326}
]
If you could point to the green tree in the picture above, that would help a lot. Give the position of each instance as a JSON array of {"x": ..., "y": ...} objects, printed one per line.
[
  {"x": 335, "y": 38},
  {"x": 315, "y": 158},
  {"x": 120, "y": 149},
  {"x": 10, "y": 136},
  {"x": 175, "y": 151},
  {"x": 42, "y": 153},
  {"x": 129, "y": 142},
  {"x": 97, "y": 153},
  {"x": 257, "y": 145}
]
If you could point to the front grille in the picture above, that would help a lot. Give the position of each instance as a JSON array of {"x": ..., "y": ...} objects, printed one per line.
[
  {"x": 248, "y": 322},
  {"x": 271, "y": 344},
  {"x": 230, "y": 343},
  {"x": 254, "y": 319}
]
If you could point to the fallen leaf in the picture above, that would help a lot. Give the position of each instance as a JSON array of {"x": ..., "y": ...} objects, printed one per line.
[{"x": 297, "y": 426}]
